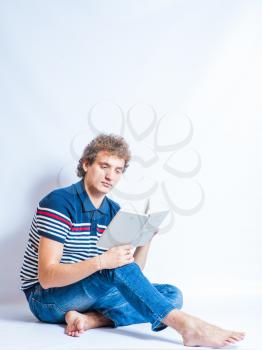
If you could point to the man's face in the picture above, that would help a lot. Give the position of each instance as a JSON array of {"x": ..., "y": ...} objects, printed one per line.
[{"x": 104, "y": 173}]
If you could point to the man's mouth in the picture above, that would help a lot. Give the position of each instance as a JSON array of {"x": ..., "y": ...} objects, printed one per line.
[{"x": 106, "y": 184}]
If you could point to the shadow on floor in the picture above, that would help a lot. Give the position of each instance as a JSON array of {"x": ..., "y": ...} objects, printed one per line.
[{"x": 139, "y": 335}]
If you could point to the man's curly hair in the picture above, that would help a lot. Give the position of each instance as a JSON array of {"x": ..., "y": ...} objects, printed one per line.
[{"x": 114, "y": 144}]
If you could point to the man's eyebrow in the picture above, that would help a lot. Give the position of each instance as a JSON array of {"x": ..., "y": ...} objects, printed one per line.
[{"x": 105, "y": 163}]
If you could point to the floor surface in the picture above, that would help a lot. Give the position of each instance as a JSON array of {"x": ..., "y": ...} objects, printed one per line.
[{"x": 21, "y": 331}]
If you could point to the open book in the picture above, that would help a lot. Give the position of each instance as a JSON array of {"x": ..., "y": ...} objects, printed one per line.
[{"x": 131, "y": 228}]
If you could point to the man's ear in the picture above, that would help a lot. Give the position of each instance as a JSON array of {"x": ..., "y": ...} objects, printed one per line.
[{"x": 85, "y": 166}]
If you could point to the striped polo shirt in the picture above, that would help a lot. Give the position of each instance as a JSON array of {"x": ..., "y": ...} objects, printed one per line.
[{"x": 68, "y": 216}]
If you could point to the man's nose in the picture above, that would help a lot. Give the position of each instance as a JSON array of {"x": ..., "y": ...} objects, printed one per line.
[{"x": 110, "y": 174}]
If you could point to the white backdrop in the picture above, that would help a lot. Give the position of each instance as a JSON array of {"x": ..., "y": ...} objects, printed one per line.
[{"x": 181, "y": 80}]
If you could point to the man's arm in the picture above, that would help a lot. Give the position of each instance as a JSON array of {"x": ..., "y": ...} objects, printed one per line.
[{"x": 51, "y": 273}]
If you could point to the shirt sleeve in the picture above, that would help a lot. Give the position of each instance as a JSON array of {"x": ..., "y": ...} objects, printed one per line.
[{"x": 52, "y": 217}]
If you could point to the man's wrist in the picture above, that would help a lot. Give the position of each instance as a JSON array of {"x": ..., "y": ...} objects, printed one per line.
[
  {"x": 101, "y": 262},
  {"x": 97, "y": 261}
]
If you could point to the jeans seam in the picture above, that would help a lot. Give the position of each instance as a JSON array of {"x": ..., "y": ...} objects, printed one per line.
[
  {"x": 116, "y": 307},
  {"x": 152, "y": 312},
  {"x": 47, "y": 304},
  {"x": 108, "y": 316},
  {"x": 163, "y": 315}
]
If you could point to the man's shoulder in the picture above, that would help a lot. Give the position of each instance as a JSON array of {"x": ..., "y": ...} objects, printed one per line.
[{"x": 59, "y": 199}]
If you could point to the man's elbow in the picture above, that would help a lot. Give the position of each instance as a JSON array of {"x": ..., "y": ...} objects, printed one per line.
[
  {"x": 44, "y": 283},
  {"x": 44, "y": 278}
]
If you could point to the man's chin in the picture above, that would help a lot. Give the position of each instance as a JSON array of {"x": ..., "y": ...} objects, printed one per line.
[{"x": 105, "y": 189}]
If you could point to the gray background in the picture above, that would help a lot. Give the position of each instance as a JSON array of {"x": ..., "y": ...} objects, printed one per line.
[{"x": 72, "y": 68}]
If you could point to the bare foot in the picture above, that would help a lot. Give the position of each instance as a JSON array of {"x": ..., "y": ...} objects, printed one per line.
[
  {"x": 77, "y": 323},
  {"x": 196, "y": 332}
]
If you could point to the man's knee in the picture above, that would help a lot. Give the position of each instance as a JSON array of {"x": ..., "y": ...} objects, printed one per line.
[{"x": 132, "y": 268}]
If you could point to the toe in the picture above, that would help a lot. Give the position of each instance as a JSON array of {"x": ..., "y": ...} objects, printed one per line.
[
  {"x": 80, "y": 325},
  {"x": 238, "y": 336},
  {"x": 241, "y": 335},
  {"x": 231, "y": 340},
  {"x": 238, "y": 333},
  {"x": 69, "y": 329},
  {"x": 228, "y": 342}
]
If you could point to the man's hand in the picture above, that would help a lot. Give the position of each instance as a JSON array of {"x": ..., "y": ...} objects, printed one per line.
[{"x": 116, "y": 257}]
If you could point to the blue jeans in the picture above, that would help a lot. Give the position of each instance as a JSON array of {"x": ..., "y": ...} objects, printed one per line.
[{"x": 123, "y": 295}]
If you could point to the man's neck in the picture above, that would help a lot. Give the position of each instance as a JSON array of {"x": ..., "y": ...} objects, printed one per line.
[{"x": 95, "y": 197}]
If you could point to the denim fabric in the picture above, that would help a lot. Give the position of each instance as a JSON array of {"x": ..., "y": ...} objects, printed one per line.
[{"x": 123, "y": 295}]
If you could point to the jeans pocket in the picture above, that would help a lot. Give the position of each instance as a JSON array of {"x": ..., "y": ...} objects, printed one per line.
[{"x": 47, "y": 312}]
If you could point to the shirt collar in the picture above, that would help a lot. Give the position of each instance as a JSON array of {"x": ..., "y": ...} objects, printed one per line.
[{"x": 86, "y": 201}]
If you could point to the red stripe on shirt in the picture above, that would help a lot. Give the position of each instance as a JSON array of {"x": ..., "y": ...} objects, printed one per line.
[
  {"x": 44, "y": 213},
  {"x": 80, "y": 228}
]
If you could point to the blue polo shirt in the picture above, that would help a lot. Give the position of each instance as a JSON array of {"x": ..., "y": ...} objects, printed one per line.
[{"x": 68, "y": 216}]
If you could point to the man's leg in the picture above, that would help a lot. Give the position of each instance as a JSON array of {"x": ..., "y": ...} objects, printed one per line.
[
  {"x": 151, "y": 305},
  {"x": 114, "y": 306},
  {"x": 139, "y": 292},
  {"x": 142, "y": 295},
  {"x": 146, "y": 299}
]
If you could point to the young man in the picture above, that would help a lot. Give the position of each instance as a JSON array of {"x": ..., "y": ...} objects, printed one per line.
[{"x": 67, "y": 278}]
